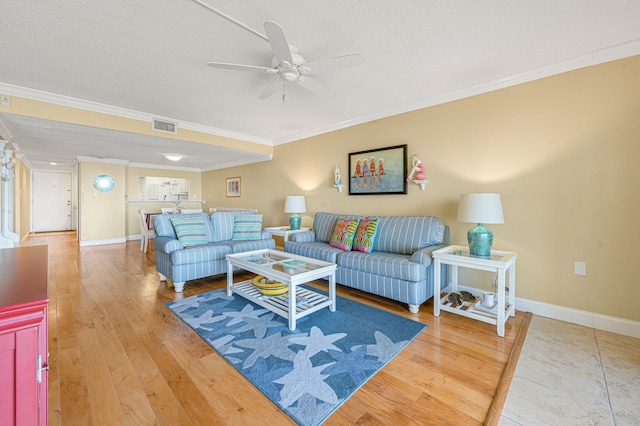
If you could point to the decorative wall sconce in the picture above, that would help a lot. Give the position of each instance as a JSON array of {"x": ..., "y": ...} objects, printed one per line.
[
  {"x": 337, "y": 180},
  {"x": 6, "y": 162},
  {"x": 416, "y": 175}
]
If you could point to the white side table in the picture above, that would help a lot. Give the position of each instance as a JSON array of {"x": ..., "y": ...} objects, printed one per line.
[
  {"x": 284, "y": 231},
  {"x": 499, "y": 262}
]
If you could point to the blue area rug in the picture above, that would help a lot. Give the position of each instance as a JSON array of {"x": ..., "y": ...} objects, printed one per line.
[{"x": 308, "y": 372}]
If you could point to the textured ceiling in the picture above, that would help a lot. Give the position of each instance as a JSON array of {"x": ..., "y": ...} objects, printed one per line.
[{"x": 150, "y": 56}]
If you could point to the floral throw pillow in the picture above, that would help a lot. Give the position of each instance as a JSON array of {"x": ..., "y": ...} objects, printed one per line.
[
  {"x": 342, "y": 237},
  {"x": 365, "y": 235}
]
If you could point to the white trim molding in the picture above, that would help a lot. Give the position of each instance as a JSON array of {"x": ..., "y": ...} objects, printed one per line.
[
  {"x": 102, "y": 242},
  {"x": 577, "y": 316}
]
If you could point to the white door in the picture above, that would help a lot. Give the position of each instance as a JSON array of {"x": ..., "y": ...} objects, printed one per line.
[{"x": 51, "y": 205}]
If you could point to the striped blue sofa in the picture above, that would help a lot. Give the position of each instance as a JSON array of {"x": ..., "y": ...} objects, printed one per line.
[
  {"x": 399, "y": 266},
  {"x": 178, "y": 263}
]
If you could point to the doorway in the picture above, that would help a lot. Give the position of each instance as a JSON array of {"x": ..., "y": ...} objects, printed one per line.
[{"x": 51, "y": 203}]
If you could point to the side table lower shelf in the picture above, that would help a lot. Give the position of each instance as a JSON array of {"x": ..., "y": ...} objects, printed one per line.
[{"x": 469, "y": 309}]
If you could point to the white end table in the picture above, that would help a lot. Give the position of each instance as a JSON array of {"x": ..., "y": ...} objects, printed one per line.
[
  {"x": 499, "y": 262},
  {"x": 284, "y": 231}
]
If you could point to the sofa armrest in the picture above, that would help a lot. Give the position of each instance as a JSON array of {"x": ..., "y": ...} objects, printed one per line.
[
  {"x": 167, "y": 244},
  {"x": 303, "y": 237},
  {"x": 424, "y": 255}
]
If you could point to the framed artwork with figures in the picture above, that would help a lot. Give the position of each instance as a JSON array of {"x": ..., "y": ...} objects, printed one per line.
[
  {"x": 233, "y": 187},
  {"x": 378, "y": 171}
]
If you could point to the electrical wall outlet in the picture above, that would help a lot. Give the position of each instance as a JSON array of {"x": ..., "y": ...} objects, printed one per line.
[{"x": 580, "y": 268}]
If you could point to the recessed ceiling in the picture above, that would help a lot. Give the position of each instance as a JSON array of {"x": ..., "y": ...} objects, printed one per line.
[{"x": 150, "y": 57}]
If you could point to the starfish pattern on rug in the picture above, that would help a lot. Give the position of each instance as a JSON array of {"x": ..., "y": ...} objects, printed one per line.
[
  {"x": 238, "y": 317},
  {"x": 307, "y": 372},
  {"x": 305, "y": 379},
  {"x": 384, "y": 347},
  {"x": 258, "y": 325},
  {"x": 353, "y": 363},
  {"x": 316, "y": 341},
  {"x": 274, "y": 345}
]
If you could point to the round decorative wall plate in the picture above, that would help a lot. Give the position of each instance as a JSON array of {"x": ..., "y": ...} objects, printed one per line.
[{"x": 103, "y": 183}]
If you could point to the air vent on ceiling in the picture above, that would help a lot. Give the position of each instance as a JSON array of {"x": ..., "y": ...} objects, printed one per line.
[{"x": 165, "y": 126}]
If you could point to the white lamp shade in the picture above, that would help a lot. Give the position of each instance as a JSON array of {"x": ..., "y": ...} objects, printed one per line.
[
  {"x": 295, "y": 204},
  {"x": 480, "y": 208}
]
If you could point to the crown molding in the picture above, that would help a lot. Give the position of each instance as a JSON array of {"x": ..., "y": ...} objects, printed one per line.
[
  {"x": 609, "y": 54},
  {"x": 68, "y": 101}
]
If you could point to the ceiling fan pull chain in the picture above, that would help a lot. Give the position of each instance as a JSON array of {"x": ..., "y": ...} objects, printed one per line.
[{"x": 284, "y": 98}]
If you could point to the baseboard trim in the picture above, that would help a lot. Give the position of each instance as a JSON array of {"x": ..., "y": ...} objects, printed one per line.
[
  {"x": 102, "y": 242},
  {"x": 577, "y": 316}
]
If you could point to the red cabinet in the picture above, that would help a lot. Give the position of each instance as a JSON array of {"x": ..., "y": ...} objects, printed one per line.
[{"x": 23, "y": 335}]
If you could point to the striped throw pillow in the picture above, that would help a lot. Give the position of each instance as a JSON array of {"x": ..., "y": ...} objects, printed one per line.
[
  {"x": 247, "y": 227},
  {"x": 190, "y": 230}
]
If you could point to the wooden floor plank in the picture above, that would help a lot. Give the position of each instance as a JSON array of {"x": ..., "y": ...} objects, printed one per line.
[{"x": 107, "y": 306}]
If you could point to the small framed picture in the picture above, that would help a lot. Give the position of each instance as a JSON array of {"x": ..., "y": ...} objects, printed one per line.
[{"x": 233, "y": 187}]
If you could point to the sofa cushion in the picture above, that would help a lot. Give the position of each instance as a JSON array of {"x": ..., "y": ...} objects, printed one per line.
[
  {"x": 407, "y": 234},
  {"x": 325, "y": 223},
  {"x": 241, "y": 246},
  {"x": 163, "y": 227},
  {"x": 222, "y": 222},
  {"x": 190, "y": 230},
  {"x": 200, "y": 254},
  {"x": 385, "y": 264},
  {"x": 343, "y": 233},
  {"x": 320, "y": 251},
  {"x": 247, "y": 227},
  {"x": 365, "y": 235}
]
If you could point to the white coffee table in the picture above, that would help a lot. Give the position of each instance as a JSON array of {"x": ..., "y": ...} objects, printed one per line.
[
  {"x": 284, "y": 231},
  {"x": 289, "y": 269}
]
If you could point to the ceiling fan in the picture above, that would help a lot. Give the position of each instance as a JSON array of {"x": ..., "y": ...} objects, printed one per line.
[{"x": 289, "y": 67}]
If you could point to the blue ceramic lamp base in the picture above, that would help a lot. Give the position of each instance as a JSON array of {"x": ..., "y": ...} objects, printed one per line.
[
  {"x": 480, "y": 240},
  {"x": 294, "y": 222}
]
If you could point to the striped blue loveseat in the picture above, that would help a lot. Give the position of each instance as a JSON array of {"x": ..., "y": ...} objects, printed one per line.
[
  {"x": 180, "y": 263},
  {"x": 399, "y": 266}
]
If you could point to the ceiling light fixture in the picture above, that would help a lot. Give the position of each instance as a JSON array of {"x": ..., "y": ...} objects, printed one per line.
[{"x": 173, "y": 157}]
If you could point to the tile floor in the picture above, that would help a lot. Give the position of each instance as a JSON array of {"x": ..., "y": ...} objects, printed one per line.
[{"x": 568, "y": 374}]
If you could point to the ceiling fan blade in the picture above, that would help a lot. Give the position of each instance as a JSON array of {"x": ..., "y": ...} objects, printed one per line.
[
  {"x": 240, "y": 67},
  {"x": 278, "y": 42},
  {"x": 315, "y": 86},
  {"x": 332, "y": 64},
  {"x": 271, "y": 89}
]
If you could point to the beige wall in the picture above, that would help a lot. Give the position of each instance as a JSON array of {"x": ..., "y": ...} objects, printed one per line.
[
  {"x": 562, "y": 151},
  {"x": 102, "y": 214},
  {"x": 22, "y": 200}
]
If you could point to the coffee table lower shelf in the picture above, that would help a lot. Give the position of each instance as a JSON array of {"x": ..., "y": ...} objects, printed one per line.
[{"x": 280, "y": 304}]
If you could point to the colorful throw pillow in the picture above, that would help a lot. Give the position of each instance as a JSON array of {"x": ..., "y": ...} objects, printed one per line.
[
  {"x": 365, "y": 235},
  {"x": 342, "y": 237},
  {"x": 247, "y": 227},
  {"x": 190, "y": 231}
]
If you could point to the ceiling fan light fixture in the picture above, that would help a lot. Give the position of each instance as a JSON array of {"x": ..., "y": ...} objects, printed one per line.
[{"x": 173, "y": 157}]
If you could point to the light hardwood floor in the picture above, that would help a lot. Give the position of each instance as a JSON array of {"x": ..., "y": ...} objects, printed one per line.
[{"x": 119, "y": 356}]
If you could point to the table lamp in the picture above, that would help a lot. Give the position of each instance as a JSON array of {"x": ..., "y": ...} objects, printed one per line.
[
  {"x": 294, "y": 204},
  {"x": 480, "y": 209}
]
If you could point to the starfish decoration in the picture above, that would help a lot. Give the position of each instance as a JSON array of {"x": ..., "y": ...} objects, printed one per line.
[
  {"x": 353, "y": 363},
  {"x": 308, "y": 410},
  {"x": 384, "y": 347},
  {"x": 261, "y": 376},
  {"x": 258, "y": 325},
  {"x": 184, "y": 304},
  {"x": 275, "y": 345},
  {"x": 238, "y": 317},
  {"x": 196, "y": 322},
  {"x": 305, "y": 378},
  {"x": 316, "y": 341}
]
